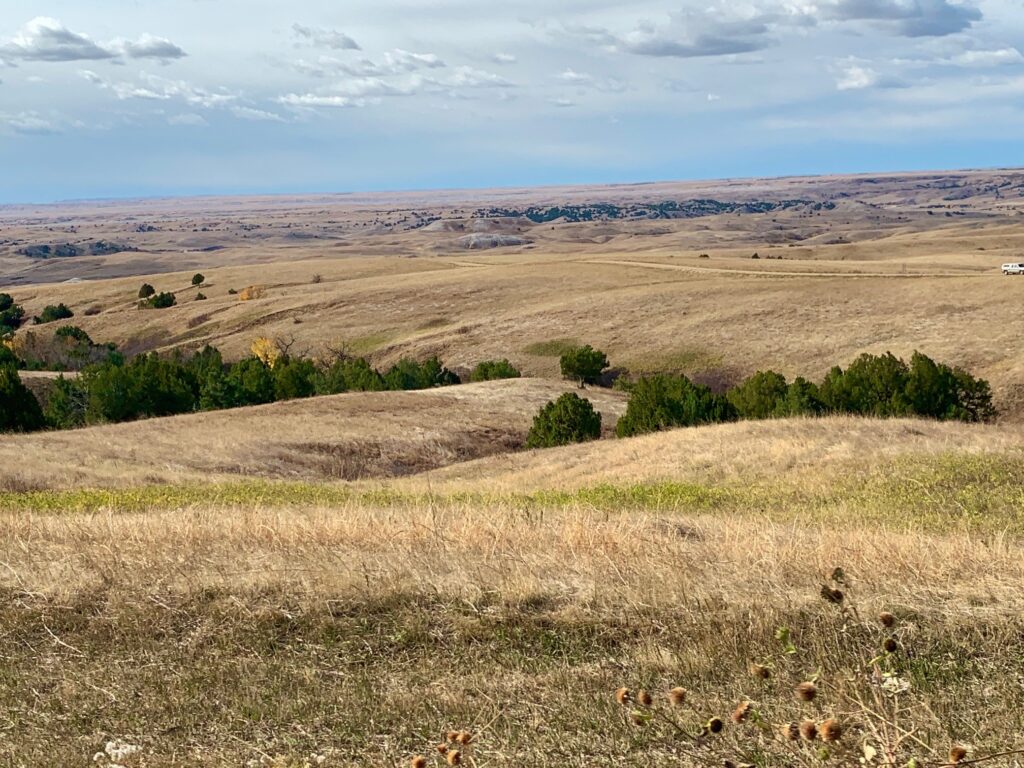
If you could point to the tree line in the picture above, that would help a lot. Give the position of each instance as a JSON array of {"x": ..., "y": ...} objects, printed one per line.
[
  {"x": 872, "y": 385},
  {"x": 150, "y": 385}
]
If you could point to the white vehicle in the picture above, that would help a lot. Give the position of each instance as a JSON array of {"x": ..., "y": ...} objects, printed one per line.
[{"x": 1013, "y": 269}]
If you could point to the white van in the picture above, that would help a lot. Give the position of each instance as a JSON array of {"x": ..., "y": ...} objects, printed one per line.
[{"x": 1013, "y": 269}]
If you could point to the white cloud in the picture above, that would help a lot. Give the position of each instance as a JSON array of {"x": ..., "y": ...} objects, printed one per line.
[
  {"x": 993, "y": 58},
  {"x": 259, "y": 115},
  {"x": 47, "y": 39},
  {"x": 325, "y": 38},
  {"x": 150, "y": 47},
  {"x": 317, "y": 100},
  {"x": 469, "y": 77},
  {"x": 504, "y": 58},
  {"x": 856, "y": 77},
  {"x": 572, "y": 76},
  {"x": 29, "y": 123}
]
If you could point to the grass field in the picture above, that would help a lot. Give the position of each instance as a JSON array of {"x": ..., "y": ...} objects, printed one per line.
[
  {"x": 341, "y": 581},
  {"x": 218, "y": 624}
]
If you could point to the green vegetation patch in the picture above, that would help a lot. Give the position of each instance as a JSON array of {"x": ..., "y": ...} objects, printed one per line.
[
  {"x": 551, "y": 348},
  {"x": 949, "y": 492},
  {"x": 685, "y": 360}
]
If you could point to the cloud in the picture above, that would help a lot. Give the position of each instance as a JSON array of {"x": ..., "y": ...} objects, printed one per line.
[
  {"x": 29, "y": 124},
  {"x": 572, "y": 76},
  {"x": 47, "y": 39},
  {"x": 326, "y": 38},
  {"x": 259, "y": 115},
  {"x": 854, "y": 75},
  {"x": 317, "y": 100},
  {"x": 154, "y": 88},
  {"x": 150, "y": 47},
  {"x": 993, "y": 58},
  {"x": 405, "y": 60},
  {"x": 469, "y": 77},
  {"x": 909, "y": 18},
  {"x": 396, "y": 62},
  {"x": 716, "y": 31},
  {"x": 504, "y": 58}
]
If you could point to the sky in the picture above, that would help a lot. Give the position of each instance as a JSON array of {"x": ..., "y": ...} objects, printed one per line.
[{"x": 129, "y": 98}]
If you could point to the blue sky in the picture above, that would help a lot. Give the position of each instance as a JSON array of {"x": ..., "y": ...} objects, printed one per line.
[{"x": 117, "y": 98}]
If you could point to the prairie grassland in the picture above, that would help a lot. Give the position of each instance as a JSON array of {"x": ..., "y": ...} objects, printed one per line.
[
  {"x": 358, "y": 622},
  {"x": 343, "y": 437}
]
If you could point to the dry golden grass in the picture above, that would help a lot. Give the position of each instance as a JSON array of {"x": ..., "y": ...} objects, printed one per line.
[
  {"x": 360, "y": 633},
  {"x": 343, "y": 437}
]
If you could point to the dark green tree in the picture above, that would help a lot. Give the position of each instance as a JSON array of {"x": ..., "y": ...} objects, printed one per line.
[
  {"x": 491, "y": 370},
  {"x": 761, "y": 396},
  {"x": 294, "y": 378},
  {"x": 65, "y": 408},
  {"x": 146, "y": 291},
  {"x": 52, "y": 313},
  {"x": 11, "y": 314},
  {"x": 583, "y": 365},
  {"x": 19, "y": 409},
  {"x": 569, "y": 419},
  {"x": 198, "y": 279},
  {"x": 666, "y": 402}
]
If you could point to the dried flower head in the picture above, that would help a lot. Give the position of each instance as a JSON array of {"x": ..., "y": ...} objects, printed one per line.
[
  {"x": 643, "y": 698},
  {"x": 789, "y": 731},
  {"x": 887, "y": 619},
  {"x": 742, "y": 712},
  {"x": 832, "y": 595},
  {"x": 623, "y": 696},
  {"x": 455, "y": 757},
  {"x": 715, "y": 725},
  {"x": 808, "y": 730},
  {"x": 806, "y": 691},
  {"x": 452, "y": 736},
  {"x": 677, "y": 696},
  {"x": 760, "y": 671},
  {"x": 442, "y": 749},
  {"x": 831, "y": 730},
  {"x": 890, "y": 645},
  {"x": 464, "y": 737},
  {"x": 957, "y": 754},
  {"x": 418, "y": 762}
]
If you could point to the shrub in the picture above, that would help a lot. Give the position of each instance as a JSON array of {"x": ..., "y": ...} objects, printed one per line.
[
  {"x": 232, "y": 292},
  {"x": 11, "y": 314},
  {"x": 198, "y": 279},
  {"x": 19, "y": 409},
  {"x": 159, "y": 301},
  {"x": 761, "y": 396},
  {"x": 53, "y": 313},
  {"x": 492, "y": 370},
  {"x": 873, "y": 385},
  {"x": 802, "y": 399},
  {"x": 147, "y": 386},
  {"x": 666, "y": 402},
  {"x": 353, "y": 374},
  {"x": 583, "y": 365},
  {"x": 407, "y": 374},
  {"x": 294, "y": 378},
  {"x": 65, "y": 408},
  {"x": 200, "y": 296},
  {"x": 251, "y": 382},
  {"x": 569, "y": 419},
  {"x": 146, "y": 291}
]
